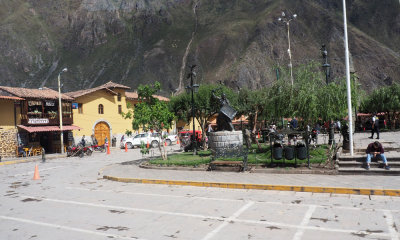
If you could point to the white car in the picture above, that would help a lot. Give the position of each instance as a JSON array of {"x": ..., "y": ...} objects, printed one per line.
[{"x": 152, "y": 138}]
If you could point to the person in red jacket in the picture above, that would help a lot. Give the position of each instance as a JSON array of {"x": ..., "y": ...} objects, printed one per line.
[{"x": 375, "y": 149}]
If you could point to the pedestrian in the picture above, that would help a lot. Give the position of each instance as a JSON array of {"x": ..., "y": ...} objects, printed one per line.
[
  {"x": 83, "y": 142},
  {"x": 94, "y": 140},
  {"x": 375, "y": 127},
  {"x": 338, "y": 125},
  {"x": 21, "y": 150},
  {"x": 294, "y": 123},
  {"x": 375, "y": 149}
]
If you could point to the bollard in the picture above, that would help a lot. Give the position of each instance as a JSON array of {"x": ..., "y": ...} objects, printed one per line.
[{"x": 43, "y": 155}]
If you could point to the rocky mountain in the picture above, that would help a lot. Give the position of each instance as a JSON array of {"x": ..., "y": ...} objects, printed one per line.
[{"x": 237, "y": 42}]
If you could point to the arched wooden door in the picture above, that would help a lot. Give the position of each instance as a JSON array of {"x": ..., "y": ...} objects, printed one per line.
[{"x": 101, "y": 131}]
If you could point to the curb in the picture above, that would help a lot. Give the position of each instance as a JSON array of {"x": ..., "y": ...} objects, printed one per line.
[
  {"x": 16, "y": 161},
  {"x": 333, "y": 190},
  {"x": 10, "y": 162}
]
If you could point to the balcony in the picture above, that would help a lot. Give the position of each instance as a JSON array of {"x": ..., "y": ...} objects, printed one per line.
[{"x": 41, "y": 119}]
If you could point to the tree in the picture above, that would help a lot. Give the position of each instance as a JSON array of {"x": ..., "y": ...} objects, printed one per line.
[
  {"x": 252, "y": 104},
  {"x": 205, "y": 106},
  {"x": 384, "y": 99},
  {"x": 151, "y": 113}
]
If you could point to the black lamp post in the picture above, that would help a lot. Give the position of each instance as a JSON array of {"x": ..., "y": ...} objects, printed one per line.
[
  {"x": 193, "y": 88},
  {"x": 326, "y": 65}
]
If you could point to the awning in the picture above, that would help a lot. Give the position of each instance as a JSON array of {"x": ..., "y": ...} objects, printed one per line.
[{"x": 48, "y": 128}]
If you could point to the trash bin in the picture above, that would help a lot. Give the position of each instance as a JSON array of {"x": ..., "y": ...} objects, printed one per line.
[
  {"x": 277, "y": 151},
  {"x": 301, "y": 152},
  {"x": 289, "y": 153}
]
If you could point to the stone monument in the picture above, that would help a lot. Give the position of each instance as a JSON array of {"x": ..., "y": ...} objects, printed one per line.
[{"x": 225, "y": 141}]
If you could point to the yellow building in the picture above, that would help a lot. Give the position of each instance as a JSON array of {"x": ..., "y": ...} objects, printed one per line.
[{"x": 98, "y": 112}]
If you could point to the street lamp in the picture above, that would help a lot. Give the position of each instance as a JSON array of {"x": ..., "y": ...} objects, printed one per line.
[
  {"x": 60, "y": 112},
  {"x": 193, "y": 88},
  {"x": 287, "y": 19},
  {"x": 326, "y": 65}
]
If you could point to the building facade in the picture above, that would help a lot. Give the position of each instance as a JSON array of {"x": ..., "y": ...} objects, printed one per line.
[
  {"x": 33, "y": 117},
  {"x": 98, "y": 112}
]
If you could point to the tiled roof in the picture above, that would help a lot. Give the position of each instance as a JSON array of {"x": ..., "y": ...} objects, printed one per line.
[
  {"x": 134, "y": 96},
  {"x": 11, "y": 98},
  {"x": 161, "y": 98},
  {"x": 44, "y": 93},
  {"x": 108, "y": 86},
  {"x": 131, "y": 95}
]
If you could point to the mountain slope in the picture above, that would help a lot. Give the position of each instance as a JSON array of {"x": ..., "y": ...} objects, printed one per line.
[{"x": 237, "y": 42}]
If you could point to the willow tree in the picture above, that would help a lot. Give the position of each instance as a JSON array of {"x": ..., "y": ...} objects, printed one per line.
[
  {"x": 385, "y": 99},
  {"x": 252, "y": 103}
]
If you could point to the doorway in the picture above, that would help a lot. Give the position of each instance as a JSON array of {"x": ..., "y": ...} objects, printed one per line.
[{"x": 101, "y": 131}]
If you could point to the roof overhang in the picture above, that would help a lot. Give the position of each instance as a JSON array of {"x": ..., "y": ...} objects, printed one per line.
[{"x": 48, "y": 128}]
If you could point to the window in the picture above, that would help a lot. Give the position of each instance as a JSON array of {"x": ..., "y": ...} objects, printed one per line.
[
  {"x": 119, "y": 97},
  {"x": 101, "y": 109},
  {"x": 119, "y": 109},
  {"x": 80, "y": 108}
]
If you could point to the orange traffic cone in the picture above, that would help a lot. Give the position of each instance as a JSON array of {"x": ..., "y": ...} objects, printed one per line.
[
  {"x": 108, "y": 149},
  {"x": 258, "y": 136},
  {"x": 36, "y": 174},
  {"x": 177, "y": 141},
  {"x": 148, "y": 145},
  {"x": 126, "y": 147},
  {"x": 165, "y": 143}
]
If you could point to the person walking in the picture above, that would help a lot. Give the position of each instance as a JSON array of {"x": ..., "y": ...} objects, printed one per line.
[
  {"x": 375, "y": 127},
  {"x": 375, "y": 149}
]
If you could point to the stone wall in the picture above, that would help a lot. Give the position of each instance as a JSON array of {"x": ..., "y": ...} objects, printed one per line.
[{"x": 8, "y": 142}]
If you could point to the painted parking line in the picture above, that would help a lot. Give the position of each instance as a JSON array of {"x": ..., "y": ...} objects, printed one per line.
[
  {"x": 304, "y": 222},
  {"x": 80, "y": 230},
  {"x": 391, "y": 225},
  {"x": 199, "y": 216},
  {"x": 231, "y": 200},
  {"x": 225, "y": 223},
  {"x": 155, "y": 194}
]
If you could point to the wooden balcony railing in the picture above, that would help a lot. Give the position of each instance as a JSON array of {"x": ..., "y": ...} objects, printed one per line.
[{"x": 41, "y": 119}]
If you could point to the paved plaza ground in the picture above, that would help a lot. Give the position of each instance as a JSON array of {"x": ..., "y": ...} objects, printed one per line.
[{"x": 73, "y": 201}]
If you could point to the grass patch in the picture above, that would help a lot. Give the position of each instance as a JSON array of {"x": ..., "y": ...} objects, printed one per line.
[{"x": 255, "y": 156}]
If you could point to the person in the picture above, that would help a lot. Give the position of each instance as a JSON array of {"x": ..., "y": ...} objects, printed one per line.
[
  {"x": 294, "y": 123},
  {"x": 375, "y": 127},
  {"x": 83, "y": 142},
  {"x": 21, "y": 150},
  {"x": 94, "y": 140},
  {"x": 106, "y": 142},
  {"x": 338, "y": 125},
  {"x": 375, "y": 149}
]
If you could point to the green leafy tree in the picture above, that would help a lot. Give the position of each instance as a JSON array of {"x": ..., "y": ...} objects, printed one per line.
[
  {"x": 252, "y": 104},
  {"x": 384, "y": 99},
  {"x": 151, "y": 113},
  {"x": 204, "y": 104}
]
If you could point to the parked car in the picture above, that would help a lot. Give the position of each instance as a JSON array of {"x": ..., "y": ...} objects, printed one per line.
[{"x": 153, "y": 139}]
